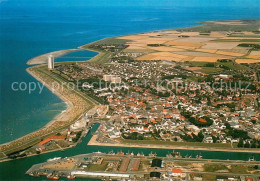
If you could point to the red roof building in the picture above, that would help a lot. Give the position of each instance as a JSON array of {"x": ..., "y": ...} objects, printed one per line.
[{"x": 52, "y": 137}]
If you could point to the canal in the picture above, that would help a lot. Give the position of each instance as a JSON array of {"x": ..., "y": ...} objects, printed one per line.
[{"x": 15, "y": 169}]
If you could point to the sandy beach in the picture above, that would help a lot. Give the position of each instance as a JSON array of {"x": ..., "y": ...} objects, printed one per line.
[
  {"x": 76, "y": 107},
  {"x": 93, "y": 142}
]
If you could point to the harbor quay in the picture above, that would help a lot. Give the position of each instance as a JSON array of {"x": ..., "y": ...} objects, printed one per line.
[{"x": 128, "y": 166}]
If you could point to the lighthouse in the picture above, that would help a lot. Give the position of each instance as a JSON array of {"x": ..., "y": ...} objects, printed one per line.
[{"x": 50, "y": 62}]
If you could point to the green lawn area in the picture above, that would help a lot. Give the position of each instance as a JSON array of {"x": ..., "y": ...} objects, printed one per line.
[
  {"x": 24, "y": 146},
  {"x": 232, "y": 65},
  {"x": 197, "y": 64},
  {"x": 239, "y": 169},
  {"x": 112, "y": 40},
  {"x": 251, "y": 25},
  {"x": 206, "y": 69},
  {"x": 96, "y": 167},
  {"x": 195, "y": 144},
  {"x": 208, "y": 177},
  {"x": 2, "y": 155},
  {"x": 102, "y": 57},
  {"x": 210, "y": 70},
  {"x": 214, "y": 167}
]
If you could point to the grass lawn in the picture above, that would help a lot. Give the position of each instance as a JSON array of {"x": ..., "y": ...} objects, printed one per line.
[
  {"x": 197, "y": 64},
  {"x": 208, "y": 177},
  {"x": 205, "y": 69},
  {"x": 210, "y": 70},
  {"x": 110, "y": 41},
  {"x": 24, "y": 146},
  {"x": 144, "y": 165},
  {"x": 195, "y": 144},
  {"x": 2, "y": 155},
  {"x": 239, "y": 169},
  {"x": 102, "y": 57},
  {"x": 96, "y": 167},
  {"x": 232, "y": 65},
  {"x": 251, "y": 25},
  {"x": 214, "y": 167}
]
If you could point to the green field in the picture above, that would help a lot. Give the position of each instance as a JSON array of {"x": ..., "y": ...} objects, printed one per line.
[
  {"x": 107, "y": 41},
  {"x": 210, "y": 70},
  {"x": 217, "y": 66},
  {"x": 214, "y": 167},
  {"x": 97, "y": 167},
  {"x": 205, "y": 27}
]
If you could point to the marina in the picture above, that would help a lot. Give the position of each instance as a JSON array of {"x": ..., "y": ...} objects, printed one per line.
[
  {"x": 122, "y": 165},
  {"x": 82, "y": 148}
]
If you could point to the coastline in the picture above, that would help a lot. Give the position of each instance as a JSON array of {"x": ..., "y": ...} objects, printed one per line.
[
  {"x": 62, "y": 97},
  {"x": 93, "y": 142},
  {"x": 49, "y": 151},
  {"x": 76, "y": 107},
  {"x": 41, "y": 59}
]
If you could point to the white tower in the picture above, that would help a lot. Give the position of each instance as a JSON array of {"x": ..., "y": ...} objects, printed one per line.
[{"x": 50, "y": 62}]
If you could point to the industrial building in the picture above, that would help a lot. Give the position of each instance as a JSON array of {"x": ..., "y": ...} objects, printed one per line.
[
  {"x": 124, "y": 164},
  {"x": 136, "y": 164}
]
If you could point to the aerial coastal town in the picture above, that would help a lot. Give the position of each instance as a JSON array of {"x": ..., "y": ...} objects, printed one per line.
[
  {"x": 195, "y": 88},
  {"x": 190, "y": 96}
]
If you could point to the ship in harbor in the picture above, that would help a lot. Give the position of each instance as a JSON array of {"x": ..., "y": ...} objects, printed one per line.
[
  {"x": 52, "y": 177},
  {"x": 54, "y": 159},
  {"x": 176, "y": 154},
  {"x": 71, "y": 177}
]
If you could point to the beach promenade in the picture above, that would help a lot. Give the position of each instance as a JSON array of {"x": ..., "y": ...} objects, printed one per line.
[{"x": 77, "y": 105}]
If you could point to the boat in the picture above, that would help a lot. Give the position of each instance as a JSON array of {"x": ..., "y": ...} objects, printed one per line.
[
  {"x": 52, "y": 177},
  {"x": 34, "y": 174},
  {"x": 111, "y": 152},
  {"x": 251, "y": 159},
  {"x": 198, "y": 156},
  {"x": 71, "y": 177},
  {"x": 169, "y": 156},
  {"x": 188, "y": 156},
  {"x": 53, "y": 159},
  {"x": 152, "y": 154},
  {"x": 176, "y": 154}
]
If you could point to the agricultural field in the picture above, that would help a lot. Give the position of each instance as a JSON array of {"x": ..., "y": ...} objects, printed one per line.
[{"x": 237, "y": 41}]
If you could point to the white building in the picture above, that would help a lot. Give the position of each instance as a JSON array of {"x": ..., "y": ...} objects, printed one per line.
[
  {"x": 79, "y": 125},
  {"x": 112, "y": 78},
  {"x": 50, "y": 62}
]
